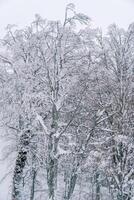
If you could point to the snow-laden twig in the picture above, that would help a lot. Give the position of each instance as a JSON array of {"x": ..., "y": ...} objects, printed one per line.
[
  {"x": 62, "y": 151},
  {"x": 107, "y": 130},
  {"x": 100, "y": 113},
  {"x": 39, "y": 118},
  {"x": 105, "y": 118},
  {"x": 129, "y": 175}
]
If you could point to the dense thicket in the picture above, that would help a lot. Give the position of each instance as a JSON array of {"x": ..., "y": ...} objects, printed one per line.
[{"x": 67, "y": 108}]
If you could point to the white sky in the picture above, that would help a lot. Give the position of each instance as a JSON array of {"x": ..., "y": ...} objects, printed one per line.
[{"x": 102, "y": 12}]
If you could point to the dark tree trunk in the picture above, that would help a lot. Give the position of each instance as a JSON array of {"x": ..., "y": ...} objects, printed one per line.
[
  {"x": 33, "y": 184},
  {"x": 70, "y": 185},
  {"x": 52, "y": 167},
  {"x": 97, "y": 186},
  {"x": 20, "y": 164}
]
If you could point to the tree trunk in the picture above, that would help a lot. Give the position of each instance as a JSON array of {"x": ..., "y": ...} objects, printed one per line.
[
  {"x": 33, "y": 174},
  {"x": 19, "y": 165},
  {"x": 70, "y": 185},
  {"x": 33, "y": 184},
  {"x": 97, "y": 186}
]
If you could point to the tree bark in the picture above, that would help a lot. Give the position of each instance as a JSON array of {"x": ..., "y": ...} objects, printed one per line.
[{"x": 20, "y": 165}]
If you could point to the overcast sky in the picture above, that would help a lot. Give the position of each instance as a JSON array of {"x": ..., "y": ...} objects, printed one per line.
[{"x": 102, "y": 12}]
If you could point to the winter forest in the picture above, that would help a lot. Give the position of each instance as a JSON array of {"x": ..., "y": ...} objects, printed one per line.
[{"x": 67, "y": 110}]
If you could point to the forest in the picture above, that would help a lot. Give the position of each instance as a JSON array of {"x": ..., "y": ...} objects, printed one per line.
[{"x": 67, "y": 109}]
